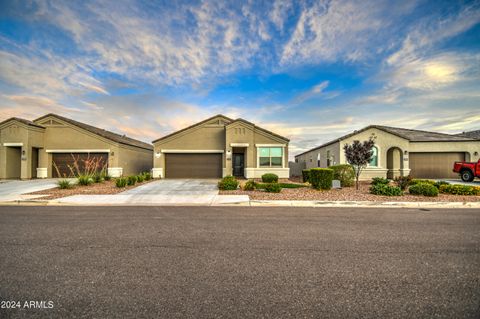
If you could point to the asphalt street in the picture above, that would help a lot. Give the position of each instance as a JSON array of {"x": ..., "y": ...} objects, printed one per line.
[{"x": 239, "y": 262}]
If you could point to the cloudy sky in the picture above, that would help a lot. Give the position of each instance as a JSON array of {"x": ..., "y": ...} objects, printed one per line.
[{"x": 309, "y": 70}]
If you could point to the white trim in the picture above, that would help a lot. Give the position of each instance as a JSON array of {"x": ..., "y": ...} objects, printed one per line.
[
  {"x": 192, "y": 151},
  {"x": 239, "y": 144},
  {"x": 79, "y": 151},
  {"x": 270, "y": 145},
  {"x": 12, "y": 144}
]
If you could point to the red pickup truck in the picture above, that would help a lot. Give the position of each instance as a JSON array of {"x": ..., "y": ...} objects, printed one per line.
[{"x": 467, "y": 170}]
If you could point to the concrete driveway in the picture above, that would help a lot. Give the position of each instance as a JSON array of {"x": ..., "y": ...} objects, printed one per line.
[
  {"x": 162, "y": 192},
  {"x": 11, "y": 190},
  {"x": 197, "y": 187}
]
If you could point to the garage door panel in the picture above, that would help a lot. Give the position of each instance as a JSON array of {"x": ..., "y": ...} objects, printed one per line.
[
  {"x": 434, "y": 165},
  {"x": 193, "y": 165},
  {"x": 69, "y": 164}
]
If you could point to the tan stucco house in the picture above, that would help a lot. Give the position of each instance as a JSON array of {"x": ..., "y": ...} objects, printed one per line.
[
  {"x": 399, "y": 152},
  {"x": 221, "y": 146},
  {"x": 49, "y": 146}
]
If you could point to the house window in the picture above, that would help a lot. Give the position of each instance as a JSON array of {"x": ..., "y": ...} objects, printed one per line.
[
  {"x": 374, "y": 160},
  {"x": 270, "y": 156},
  {"x": 328, "y": 158},
  {"x": 318, "y": 160}
]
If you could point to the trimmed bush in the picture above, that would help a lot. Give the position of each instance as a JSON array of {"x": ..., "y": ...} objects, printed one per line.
[
  {"x": 321, "y": 178},
  {"x": 147, "y": 176},
  {"x": 250, "y": 185},
  {"x": 228, "y": 183},
  {"x": 440, "y": 183},
  {"x": 273, "y": 188},
  {"x": 385, "y": 190},
  {"x": 305, "y": 175},
  {"x": 425, "y": 189},
  {"x": 64, "y": 184},
  {"x": 140, "y": 178},
  {"x": 459, "y": 189},
  {"x": 270, "y": 178},
  {"x": 121, "y": 182},
  {"x": 380, "y": 181},
  {"x": 403, "y": 181},
  {"x": 282, "y": 185},
  {"x": 344, "y": 173},
  {"x": 85, "y": 180},
  {"x": 422, "y": 181},
  {"x": 131, "y": 180},
  {"x": 107, "y": 177}
]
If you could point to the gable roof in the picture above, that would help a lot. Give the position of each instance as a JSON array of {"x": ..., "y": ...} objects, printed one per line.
[
  {"x": 122, "y": 139},
  {"x": 192, "y": 126},
  {"x": 231, "y": 121},
  {"x": 471, "y": 134},
  {"x": 408, "y": 134},
  {"x": 260, "y": 128},
  {"x": 24, "y": 121}
]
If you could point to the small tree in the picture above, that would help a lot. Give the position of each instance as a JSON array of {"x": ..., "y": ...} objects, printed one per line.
[{"x": 359, "y": 154}]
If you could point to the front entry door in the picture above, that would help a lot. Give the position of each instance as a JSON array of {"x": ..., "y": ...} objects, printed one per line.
[{"x": 238, "y": 164}]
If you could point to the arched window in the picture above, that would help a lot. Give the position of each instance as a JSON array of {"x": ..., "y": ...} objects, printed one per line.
[
  {"x": 374, "y": 160},
  {"x": 318, "y": 159}
]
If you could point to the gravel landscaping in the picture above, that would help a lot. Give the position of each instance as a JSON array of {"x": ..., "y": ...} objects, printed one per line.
[
  {"x": 345, "y": 194},
  {"x": 105, "y": 188}
]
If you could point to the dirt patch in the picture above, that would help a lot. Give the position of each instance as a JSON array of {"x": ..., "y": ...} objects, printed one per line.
[
  {"x": 346, "y": 194},
  {"x": 105, "y": 188}
]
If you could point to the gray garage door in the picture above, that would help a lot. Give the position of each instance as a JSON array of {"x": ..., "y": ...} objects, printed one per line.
[
  {"x": 434, "y": 165},
  {"x": 193, "y": 165}
]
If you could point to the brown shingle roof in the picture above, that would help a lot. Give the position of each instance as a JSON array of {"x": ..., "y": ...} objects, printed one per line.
[
  {"x": 471, "y": 134},
  {"x": 24, "y": 121},
  {"x": 122, "y": 139},
  {"x": 408, "y": 134}
]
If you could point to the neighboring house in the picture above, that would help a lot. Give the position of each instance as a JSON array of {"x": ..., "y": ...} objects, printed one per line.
[
  {"x": 49, "y": 146},
  {"x": 221, "y": 146},
  {"x": 399, "y": 152}
]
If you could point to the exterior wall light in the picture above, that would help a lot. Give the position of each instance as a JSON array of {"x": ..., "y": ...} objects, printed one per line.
[
  {"x": 158, "y": 154},
  {"x": 476, "y": 153},
  {"x": 406, "y": 152}
]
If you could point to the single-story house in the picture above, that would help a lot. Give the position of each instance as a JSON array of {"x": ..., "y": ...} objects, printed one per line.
[
  {"x": 52, "y": 146},
  {"x": 399, "y": 152},
  {"x": 220, "y": 146}
]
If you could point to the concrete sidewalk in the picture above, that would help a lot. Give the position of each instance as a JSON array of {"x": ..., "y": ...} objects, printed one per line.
[{"x": 13, "y": 190}]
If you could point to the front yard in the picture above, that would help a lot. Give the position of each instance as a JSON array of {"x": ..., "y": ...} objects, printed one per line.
[{"x": 344, "y": 194}]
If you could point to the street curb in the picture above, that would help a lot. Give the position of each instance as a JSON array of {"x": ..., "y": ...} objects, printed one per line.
[{"x": 266, "y": 203}]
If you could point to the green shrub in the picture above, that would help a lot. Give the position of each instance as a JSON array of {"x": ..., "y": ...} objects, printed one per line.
[
  {"x": 85, "y": 180},
  {"x": 305, "y": 175},
  {"x": 107, "y": 177},
  {"x": 273, "y": 188},
  {"x": 380, "y": 181},
  {"x": 270, "y": 178},
  {"x": 228, "y": 183},
  {"x": 422, "y": 181},
  {"x": 425, "y": 189},
  {"x": 98, "y": 178},
  {"x": 64, "y": 184},
  {"x": 385, "y": 190},
  {"x": 403, "y": 181},
  {"x": 140, "y": 178},
  {"x": 440, "y": 183},
  {"x": 321, "y": 178},
  {"x": 147, "y": 176},
  {"x": 131, "y": 180},
  {"x": 121, "y": 182},
  {"x": 344, "y": 173},
  {"x": 460, "y": 189},
  {"x": 250, "y": 185}
]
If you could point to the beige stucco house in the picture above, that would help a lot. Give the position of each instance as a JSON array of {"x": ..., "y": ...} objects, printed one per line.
[
  {"x": 221, "y": 146},
  {"x": 49, "y": 146},
  {"x": 399, "y": 152}
]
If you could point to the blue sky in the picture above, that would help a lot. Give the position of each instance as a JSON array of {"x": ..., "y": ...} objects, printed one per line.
[{"x": 309, "y": 70}]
